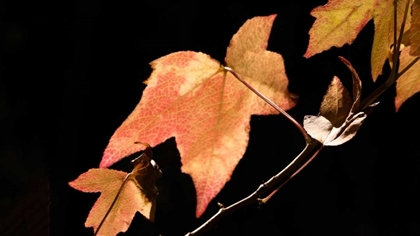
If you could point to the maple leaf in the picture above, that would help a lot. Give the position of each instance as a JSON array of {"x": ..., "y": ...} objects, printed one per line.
[
  {"x": 122, "y": 195},
  {"x": 192, "y": 98},
  {"x": 409, "y": 82},
  {"x": 340, "y": 21},
  {"x": 339, "y": 117}
]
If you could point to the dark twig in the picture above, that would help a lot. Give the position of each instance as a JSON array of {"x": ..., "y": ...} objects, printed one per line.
[{"x": 271, "y": 186}]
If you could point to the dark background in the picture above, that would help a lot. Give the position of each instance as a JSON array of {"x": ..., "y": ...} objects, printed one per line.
[{"x": 71, "y": 72}]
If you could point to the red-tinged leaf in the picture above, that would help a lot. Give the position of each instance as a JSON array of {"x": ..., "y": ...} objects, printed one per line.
[
  {"x": 409, "y": 83},
  {"x": 384, "y": 32},
  {"x": 337, "y": 23},
  {"x": 336, "y": 104},
  {"x": 190, "y": 97},
  {"x": 415, "y": 29},
  {"x": 129, "y": 200}
]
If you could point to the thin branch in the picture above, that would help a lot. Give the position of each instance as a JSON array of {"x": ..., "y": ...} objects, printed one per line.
[
  {"x": 284, "y": 113},
  {"x": 265, "y": 200},
  {"x": 271, "y": 186}
]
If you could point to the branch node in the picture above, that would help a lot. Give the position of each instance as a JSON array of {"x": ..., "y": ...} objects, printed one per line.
[
  {"x": 221, "y": 205},
  {"x": 261, "y": 202}
]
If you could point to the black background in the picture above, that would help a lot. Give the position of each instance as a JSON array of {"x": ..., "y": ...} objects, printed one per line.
[{"x": 71, "y": 72}]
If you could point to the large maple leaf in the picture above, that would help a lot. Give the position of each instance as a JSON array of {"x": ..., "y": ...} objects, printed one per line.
[
  {"x": 191, "y": 97},
  {"x": 340, "y": 21}
]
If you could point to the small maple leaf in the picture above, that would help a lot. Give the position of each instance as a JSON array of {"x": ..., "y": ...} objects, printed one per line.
[
  {"x": 340, "y": 21},
  {"x": 409, "y": 82},
  {"x": 339, "y": 117},
  {"x": 122, "y": 195},
  {"x": 189, "y": 96}
]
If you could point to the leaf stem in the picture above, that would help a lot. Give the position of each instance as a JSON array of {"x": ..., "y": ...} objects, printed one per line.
[
  {"x": 271, "y": 186},
  {"x": 275, "y": 106},
  {"x": 113, "y": 203}
]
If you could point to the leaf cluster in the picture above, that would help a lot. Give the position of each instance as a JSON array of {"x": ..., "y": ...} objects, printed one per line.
[{"x": 207, "y": 108}]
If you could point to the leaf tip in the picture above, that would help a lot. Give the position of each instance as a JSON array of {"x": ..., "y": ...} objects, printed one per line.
[
  {"x": 104, "y": 163},
  {"x": 397, "y": 104},
  {"x": 273, "y": 16},
  {"x": 71, "y": 183},
  {"x": 308, "y": 54},
  {"x": 74, "y": 183}
]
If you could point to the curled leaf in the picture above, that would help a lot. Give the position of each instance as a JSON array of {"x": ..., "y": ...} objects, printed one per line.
[{"x": 339, "y": 118}]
